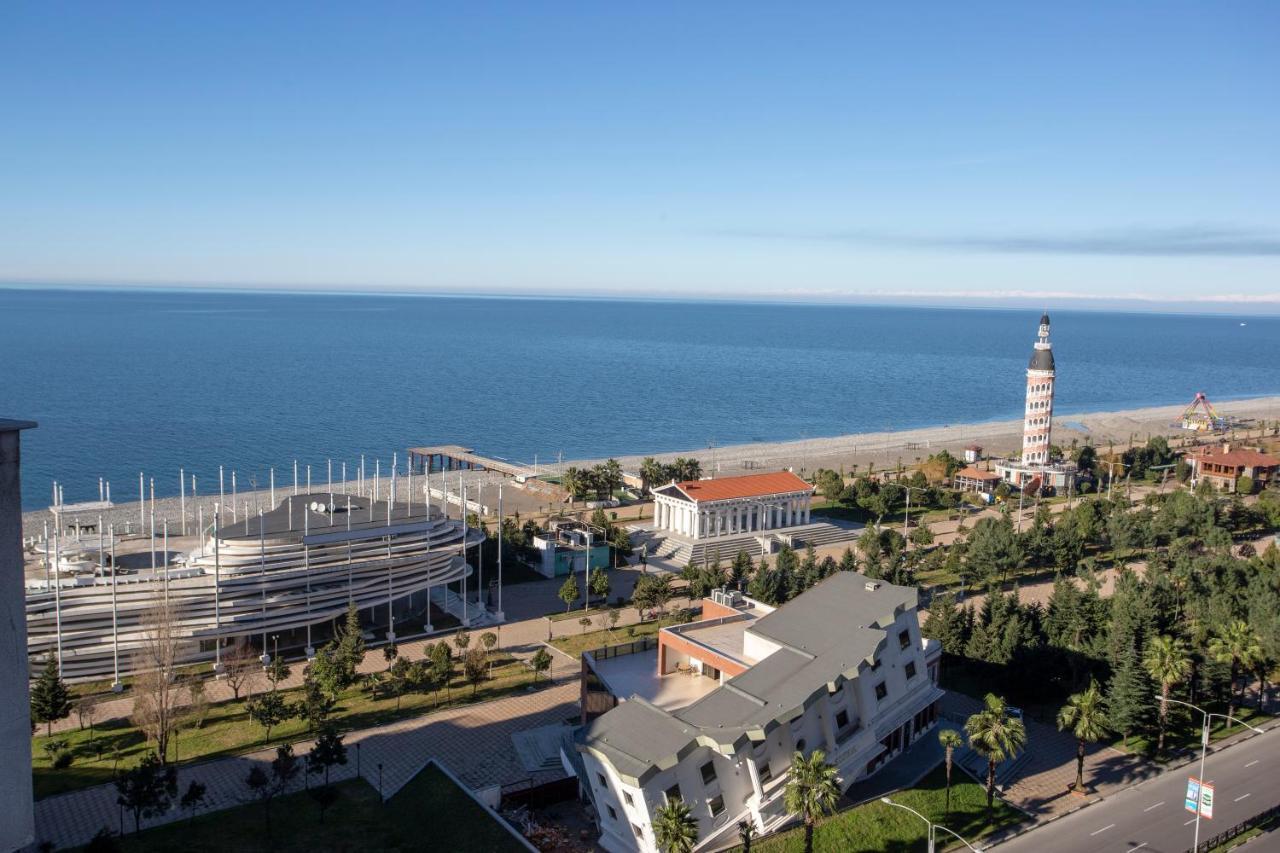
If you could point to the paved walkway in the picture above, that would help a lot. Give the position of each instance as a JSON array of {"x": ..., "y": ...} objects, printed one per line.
[
  {"x": 474, "y": 741},
  {"x": 526, "y": 605}
]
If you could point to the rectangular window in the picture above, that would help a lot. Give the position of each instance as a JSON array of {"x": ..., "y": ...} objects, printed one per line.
[
  {"x": 613, "y": 815},
  {"x": 766, "y": 772},
  {"x": 626, "y": 796},
  {"x": 637, "y": 831},
  {"x": 717, "y": 806},
  {"x": 881, "y": 691},
  {"x": 842, "y": 719},
  {"x": 673, "y": 794},
  {"x": 911, "y": 669},
  {"x": 904, "y": 639},
  {"x": 604, "y": 783},
  {"x": 708, "y": 773}
]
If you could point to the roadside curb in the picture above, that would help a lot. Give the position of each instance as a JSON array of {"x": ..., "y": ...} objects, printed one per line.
[{"x": 1000, "y": 838}]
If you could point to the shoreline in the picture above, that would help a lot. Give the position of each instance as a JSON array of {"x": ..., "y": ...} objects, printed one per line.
[
  {"x": 996, "y": 436},
  {"x": 883, "y": 449}
]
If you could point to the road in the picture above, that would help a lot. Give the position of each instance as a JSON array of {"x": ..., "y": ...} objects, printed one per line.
[{"x": 1151, "y": 817}]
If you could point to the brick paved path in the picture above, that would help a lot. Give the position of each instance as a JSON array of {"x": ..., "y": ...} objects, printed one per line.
[
  {"x": 525, "y": 606},
  {"x": 474, "y": 741}
]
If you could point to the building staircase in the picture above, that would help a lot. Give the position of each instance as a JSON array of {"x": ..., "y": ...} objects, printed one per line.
[{"x": 682, "y": 551}]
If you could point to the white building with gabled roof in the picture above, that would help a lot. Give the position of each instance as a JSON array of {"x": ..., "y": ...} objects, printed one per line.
[
  {"x": 841, "y": 668},
  {"x": 730, "y": 506}
]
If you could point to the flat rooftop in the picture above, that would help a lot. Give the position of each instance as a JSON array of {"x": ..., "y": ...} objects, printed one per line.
[
  {"x": 637, "y": 675},
  {"x": 724, "y": 637}
]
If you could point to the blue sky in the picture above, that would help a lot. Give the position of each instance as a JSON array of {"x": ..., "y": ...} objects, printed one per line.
[{"x": 949, "y": 152}]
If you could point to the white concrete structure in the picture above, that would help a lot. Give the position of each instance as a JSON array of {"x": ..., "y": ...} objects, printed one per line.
[
  {"x": 298, "y": 566},
  {"x": 841, "y": 668},
  {"x": 730, "y": 506},
  {"x": 17, "y": 821}
]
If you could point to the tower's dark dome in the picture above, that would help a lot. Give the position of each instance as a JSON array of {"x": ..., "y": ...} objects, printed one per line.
[
  {"x": 1044, "y": 319},
  {"x": 1041, "y": 359}
]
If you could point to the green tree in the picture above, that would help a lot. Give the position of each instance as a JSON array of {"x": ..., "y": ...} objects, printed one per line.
[
  {"x": 1128, "y": 696},
  {"x": 474, "y": 665},
  {"x": 600, "y": 582},
  {"x": 541, "y": 661},
  {"x": 922, "y": 536},
  {"x": 268, "y": 710},
  {"x": 50, "y": 698},
  {"x": 674, "y": 828},
  {"x": 996, "y": 736},
  {"x": 951, "y": 741},
  {"x": 441, "y": 667},
  {"x": 266, "y": 787},
  {"x": 1086, "y": 716},
  {"x": 399, "y": 679},
  {"x": 812, "y": 790},
  {"x": 569, "y": 591},
  {"x": 193, "y": 798},
  {"x": 993, "y": 549},
  {"x": 278, "y": 671},
  {"x": 316, "y": 705},
  {"x": 1238, "y": 646},
  {"x": 147, "y": 790},
  {"x": 746, "y": 834},
  {"x": 389, "y": 654},
  {"x": 327, "y": 752},
  {"x": 350, "y": 649}
]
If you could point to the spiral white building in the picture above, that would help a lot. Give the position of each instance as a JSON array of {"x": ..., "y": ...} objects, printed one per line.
[{"x": 292, "y": 569}]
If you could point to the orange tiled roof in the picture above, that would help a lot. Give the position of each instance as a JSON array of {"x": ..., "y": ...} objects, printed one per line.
[
  {"x": 746, "y": 486},
  {"x": 973, "y": 473},
  {"x": 1242, "y": 458}
]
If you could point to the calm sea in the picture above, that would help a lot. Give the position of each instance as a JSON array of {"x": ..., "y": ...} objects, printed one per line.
[{"x": 128, "y": 381}]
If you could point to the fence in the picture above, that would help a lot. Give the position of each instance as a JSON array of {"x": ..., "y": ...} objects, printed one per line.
[{"x": 1239, "y": 829}]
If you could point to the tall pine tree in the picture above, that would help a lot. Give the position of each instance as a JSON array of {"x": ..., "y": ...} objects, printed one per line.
[
  {"x": 1129, "y": 696},
  {"x": 50, "y": 698}
]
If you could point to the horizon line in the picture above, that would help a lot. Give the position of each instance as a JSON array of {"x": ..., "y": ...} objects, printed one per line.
[{"x": 992, "y": 300}]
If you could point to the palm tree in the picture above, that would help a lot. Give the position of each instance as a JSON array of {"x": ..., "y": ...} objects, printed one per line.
[
  {"x": 574, "y": 482},
  {"x": 674, "y": 827},
  {"x": 1168, "y": 663},
  {"x": 1237, "y": 645},
  {"x": 1085, "y": 716},
  {"x": 950, "y": 740},
  {"x": 996, "y": 736},
  {"x": 746, "y": 833},
  {"x": 812, "y": 790}
]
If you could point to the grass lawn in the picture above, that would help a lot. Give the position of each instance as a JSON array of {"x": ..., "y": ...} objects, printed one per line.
[
  {"x": 1184, "y": 732},
  {"x": 877, "y": 827},
  {"x": 577, "y": 613},
  {"x": 227, "y": 729},
  {"x": 429, "y": 813},
  {"x": 579, "y": 643}
]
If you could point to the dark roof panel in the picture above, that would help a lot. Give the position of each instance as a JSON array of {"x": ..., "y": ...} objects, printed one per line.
[{"x": 1041, "y": 359}]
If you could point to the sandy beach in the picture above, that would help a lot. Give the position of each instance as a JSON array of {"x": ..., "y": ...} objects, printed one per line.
[{"x": 884, "y": 449}]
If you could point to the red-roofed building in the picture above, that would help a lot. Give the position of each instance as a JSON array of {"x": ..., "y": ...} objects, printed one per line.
[
  {"x": 973, "y": 479},
  {"x": 725, "y": 506},
  {"x": 1223, "y": 465}
]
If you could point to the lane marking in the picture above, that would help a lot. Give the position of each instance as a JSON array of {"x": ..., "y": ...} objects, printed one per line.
[
  {"x": 1251, "y": 763},
  {"x": 1139, "y": 847},
  {"x": 1241, "y": 797},
  {"x": 1188, "y": 823},
  {"x": 1104, "y": 829},
  {"x": 1156, "y": 806}
]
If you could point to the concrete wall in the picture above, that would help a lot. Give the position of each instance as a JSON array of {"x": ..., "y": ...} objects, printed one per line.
[{"x": 17, "y": 825}]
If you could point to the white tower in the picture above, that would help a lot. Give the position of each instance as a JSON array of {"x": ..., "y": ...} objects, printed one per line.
[{"x": 1038, "y": 417}]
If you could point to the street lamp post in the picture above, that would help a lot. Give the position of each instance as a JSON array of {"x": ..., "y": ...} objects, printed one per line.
[
  {"x": 933, "y": 827},
  {"x": 1204, "y": 746}
]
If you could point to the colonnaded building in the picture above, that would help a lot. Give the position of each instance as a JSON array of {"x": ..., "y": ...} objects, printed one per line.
[
  {"x": 756, "y": 513},
  {"x": 712, "y": 712},
  {"x": 280, "y": 574}
]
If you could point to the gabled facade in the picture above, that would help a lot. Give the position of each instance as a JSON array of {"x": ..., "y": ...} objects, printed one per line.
[
  {"x": 841, "y": 668},
  {"x": 729, "y": 506}
]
